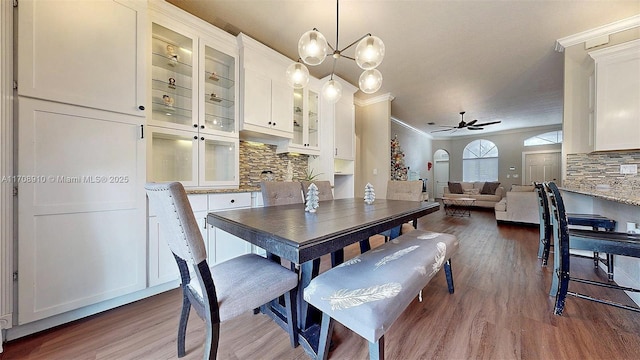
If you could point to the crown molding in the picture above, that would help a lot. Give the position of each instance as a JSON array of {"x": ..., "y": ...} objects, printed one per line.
[
  {"x": 612, "y": 28},
  {"x": 402, "y": 123},
  {"x": 373, "y": 100}
]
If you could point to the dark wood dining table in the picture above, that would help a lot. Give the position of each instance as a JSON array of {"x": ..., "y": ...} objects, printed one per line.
[{"x": 290, "y": 233}]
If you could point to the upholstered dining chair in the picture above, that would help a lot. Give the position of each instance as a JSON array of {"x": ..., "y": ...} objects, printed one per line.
[
  {"x": 402, "y": 190},
  {"x": 225, "y": 290},
  {"x": 324, "y": 189},
  {"x": 397, "y": 190},
  {"x": 281, "y": 193}
]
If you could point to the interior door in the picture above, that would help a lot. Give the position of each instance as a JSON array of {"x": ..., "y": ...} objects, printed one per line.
[
  {"x": 541, "y": 167},
  {"x": 441, "y": 172}
]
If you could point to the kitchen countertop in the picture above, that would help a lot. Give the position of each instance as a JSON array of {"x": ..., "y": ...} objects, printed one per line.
[
  {"x": 624, "y": 196},
  {"x": 222, "y": 191}
]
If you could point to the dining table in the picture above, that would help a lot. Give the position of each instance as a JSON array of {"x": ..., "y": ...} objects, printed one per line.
[{"x": 301, "y": 237}]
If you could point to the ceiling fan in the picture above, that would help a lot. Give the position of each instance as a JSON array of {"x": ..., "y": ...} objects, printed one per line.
[{"x": 471, "y": 125}]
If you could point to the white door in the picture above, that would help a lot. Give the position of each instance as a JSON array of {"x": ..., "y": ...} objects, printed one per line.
[
  {"x": 541, "y": 167},
  {"x": 441, "y": 171}
]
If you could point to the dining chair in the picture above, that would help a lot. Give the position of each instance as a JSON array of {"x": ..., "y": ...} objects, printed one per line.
[
  {"x": 324, "y": 189},
  {"x": 398, "y": 190},
  {"x": 281, "y": 193},
  {"x": 225, "y": 290},
  {"x": 617, "y": 243},
  {"x": 595, "y": 221}
]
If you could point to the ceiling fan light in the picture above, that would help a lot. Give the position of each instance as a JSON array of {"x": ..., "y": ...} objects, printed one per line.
[
  {"x": 369, "y": 52},
  {"x": 312, "y": 47},
  {"x": 332, "y": 91},
  {"x": 297, "y": 75},
  {"x": 370, "y": 81}
]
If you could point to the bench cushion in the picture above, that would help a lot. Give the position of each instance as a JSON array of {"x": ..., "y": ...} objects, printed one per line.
[{"x": 369, "y": 292}]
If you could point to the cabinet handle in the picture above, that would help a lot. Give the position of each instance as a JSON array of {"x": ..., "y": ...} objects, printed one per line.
[
  {"x": 269, "y": 122},
  {"x": 195, "y": 125},
  {"x": 195, "y": 137},
  {"x": 201, "y": 126},
  {"x": 232, "y": 201},
  {"x": 141, "y": 107},
  {"x": 274, "y": 124},
  {"x": 202, "y": 138},
  {"x": 336, "y": 152},
  {"x": 205, "y": 223}
]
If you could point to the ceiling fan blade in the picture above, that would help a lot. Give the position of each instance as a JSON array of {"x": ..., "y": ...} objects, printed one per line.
[
  {"x": 489, "y": 123},
  {"x": 475, "y": 128},
  {"x": 470, "y": 123}
]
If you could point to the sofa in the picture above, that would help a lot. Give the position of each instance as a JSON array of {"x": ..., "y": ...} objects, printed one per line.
[
  {"x": 520, "y": 205},
  {"x": 475, "y": 190}
]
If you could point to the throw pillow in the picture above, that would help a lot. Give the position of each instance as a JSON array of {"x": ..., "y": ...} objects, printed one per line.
[
  {"x": 472, "y": 191},
  {"x": 455, "y": 188},
  {"x": 489, "y": 188}
]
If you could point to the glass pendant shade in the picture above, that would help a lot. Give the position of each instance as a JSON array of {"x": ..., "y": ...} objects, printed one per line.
[
  {"x": 297, "y": 75},
  {"x": 312, "y": 47},
  {"x": 332, "y": 91},
  {"x": 370, "y": 81},
  {"x": 369, "y": 52}
]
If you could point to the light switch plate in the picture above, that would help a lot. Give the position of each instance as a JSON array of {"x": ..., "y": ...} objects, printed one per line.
[{"x": 629, "y": 169}]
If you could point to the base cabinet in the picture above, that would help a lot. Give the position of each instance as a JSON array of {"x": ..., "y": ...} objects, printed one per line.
[{"x": 81, "y": 223}]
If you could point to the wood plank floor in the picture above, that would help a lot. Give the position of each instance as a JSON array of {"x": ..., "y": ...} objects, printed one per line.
[{"x": 500, "y": 310}]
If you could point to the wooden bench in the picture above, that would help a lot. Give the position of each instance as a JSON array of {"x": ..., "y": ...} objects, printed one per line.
[{"x": 369, "y": 292}]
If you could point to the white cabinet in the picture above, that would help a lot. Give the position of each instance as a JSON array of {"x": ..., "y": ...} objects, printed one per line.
[
  {"x": 345, "y": 128},
  {"x": 336, "y": 162},
  {"x": 617, "y": 97},
  {"x": 306, "y": 121},
  {"x": 71, "y": 52},
  {"x": 81, "y": 223},
  {"x": 194, "y": 137},
  {"x": 267, "y": 99},
  {"x": 82, "y": 219},
  {"x": 222, "y": 245},
  {"x": 194, "y": 159}
]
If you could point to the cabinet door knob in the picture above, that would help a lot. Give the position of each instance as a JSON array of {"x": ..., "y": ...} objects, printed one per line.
[
  {"x": 195, "y": 137},
  {"x": 141, "y": 107},
  {"x": 195, "y": 125},
  {"x": 232, "y": 201},
  {"x": 201, "y": 126},
  {"x": 274, "y": 124},
  {"x": 202, "y": 138},
  {"x": 269, "y": 122}
]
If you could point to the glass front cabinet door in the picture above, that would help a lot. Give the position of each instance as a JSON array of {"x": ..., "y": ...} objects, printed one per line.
[
  {"x": 306, "y": 107},
  {"x": 193, "y": 135}
]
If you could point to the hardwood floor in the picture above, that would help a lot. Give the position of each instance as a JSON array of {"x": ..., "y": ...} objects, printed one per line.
[{"x": 500, "y": 310}]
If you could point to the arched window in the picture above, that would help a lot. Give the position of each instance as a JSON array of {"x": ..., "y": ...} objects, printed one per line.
[
  {"x": 480, "y": 161},
  {"x": 552, "y": 137}
]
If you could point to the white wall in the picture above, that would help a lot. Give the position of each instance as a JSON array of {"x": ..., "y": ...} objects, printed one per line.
[
  {"x": 417, "y": 149},
  {"x": 373, "y": 154}
]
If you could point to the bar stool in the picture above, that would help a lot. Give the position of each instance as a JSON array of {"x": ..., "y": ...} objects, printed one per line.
[
  {"x": 595, "y": 221},
  {"x": 614, "y": 243}
]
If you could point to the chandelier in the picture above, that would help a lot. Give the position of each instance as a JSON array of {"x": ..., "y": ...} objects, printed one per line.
[{"x": 313, "y": 48}]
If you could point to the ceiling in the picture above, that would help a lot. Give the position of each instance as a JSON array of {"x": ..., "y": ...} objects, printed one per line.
[{"x": 493, "y": 59}]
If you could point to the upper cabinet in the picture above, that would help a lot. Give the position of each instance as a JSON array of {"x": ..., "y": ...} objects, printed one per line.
[
  {"x": 306, "y": 121},
  {"x": 74, "y": 62},
  {"x": 266, "y": 99},
  {"x": 194, "y": 134},
  {"x": 617, "y": 121}
]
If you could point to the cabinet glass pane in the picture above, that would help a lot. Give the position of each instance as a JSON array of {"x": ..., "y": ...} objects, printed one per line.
[
  {"x": 298, "y": 121},
  {"x": 219, "y": 160},
  {"x": 172, "y": 69},
  {"x": 172, "y": 157},
  {"x": 219, "y": 88},
  {"x": 313, "y": 119}
]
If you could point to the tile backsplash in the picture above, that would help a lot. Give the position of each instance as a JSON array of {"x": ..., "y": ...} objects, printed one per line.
[
  {"x": 589, "y": 170},
  {"x": 258, "y": 157}
]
